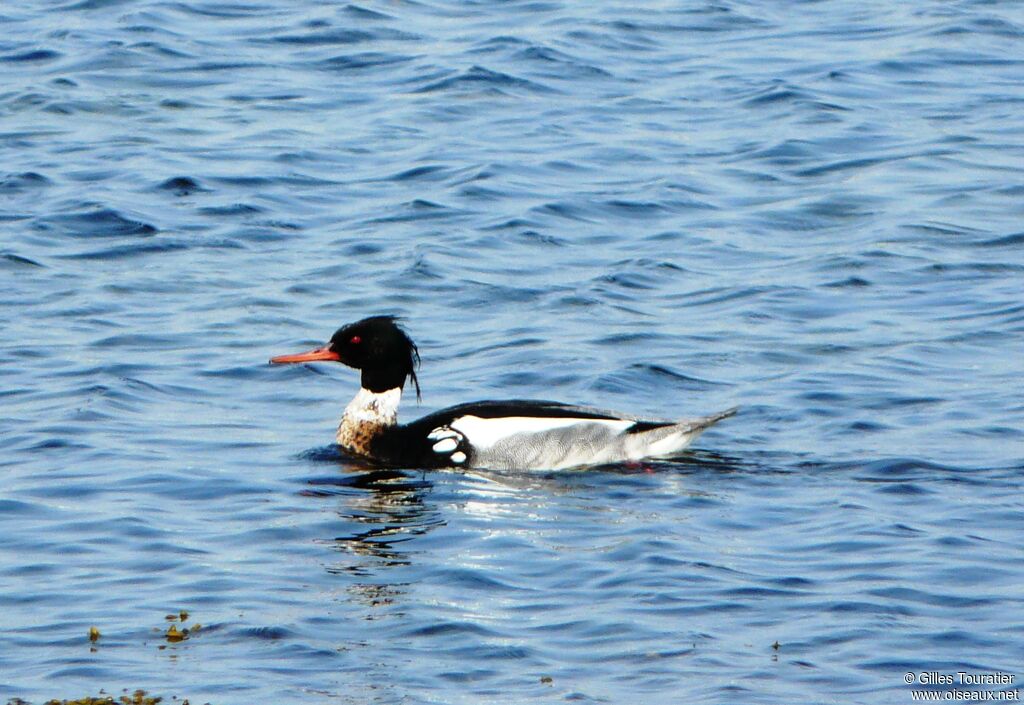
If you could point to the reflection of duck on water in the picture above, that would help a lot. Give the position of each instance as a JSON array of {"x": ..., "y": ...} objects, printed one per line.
[
  {"x": 382, "y": 508},
  {"x": 512, "y": 434}
]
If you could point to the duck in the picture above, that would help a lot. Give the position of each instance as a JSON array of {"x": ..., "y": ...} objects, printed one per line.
[{"x": 511, "y": 434}]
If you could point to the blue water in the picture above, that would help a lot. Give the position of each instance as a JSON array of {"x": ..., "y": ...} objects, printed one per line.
[{"x": 810, "y": 209}]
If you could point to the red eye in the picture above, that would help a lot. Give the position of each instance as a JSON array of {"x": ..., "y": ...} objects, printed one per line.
[{"x": 355, "y": 340}]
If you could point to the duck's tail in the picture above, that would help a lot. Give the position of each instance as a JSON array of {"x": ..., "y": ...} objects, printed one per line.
[
  {"x": 669, "y": 439},
  {"x": 699, "y": 424}
]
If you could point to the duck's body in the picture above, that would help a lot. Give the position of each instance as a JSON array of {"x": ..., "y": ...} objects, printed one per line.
[{"x": 507, "y": 435}]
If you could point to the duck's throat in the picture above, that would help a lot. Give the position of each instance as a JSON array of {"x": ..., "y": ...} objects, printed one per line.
[{"x": 367, "y": 416}]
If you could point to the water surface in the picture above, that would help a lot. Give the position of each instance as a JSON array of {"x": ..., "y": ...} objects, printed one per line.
[{"x": 812, "y": 210}]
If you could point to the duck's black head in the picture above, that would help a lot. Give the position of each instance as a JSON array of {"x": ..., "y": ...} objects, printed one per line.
[
  {"x": 381, "y": 349},
  {"x": 377, "y": 346}
]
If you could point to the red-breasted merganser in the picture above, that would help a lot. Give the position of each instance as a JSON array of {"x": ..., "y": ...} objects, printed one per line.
[{"x": 499, "y": 435}]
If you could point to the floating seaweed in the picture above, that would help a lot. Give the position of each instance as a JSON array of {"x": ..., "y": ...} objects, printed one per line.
[{"x": 138, "y": 697}]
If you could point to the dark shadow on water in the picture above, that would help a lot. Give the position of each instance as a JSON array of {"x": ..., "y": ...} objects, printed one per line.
[
  {"x": 357, "y": 473},
  {"x": 323, "y": 454},
  {"x": 378, "y": 480}
]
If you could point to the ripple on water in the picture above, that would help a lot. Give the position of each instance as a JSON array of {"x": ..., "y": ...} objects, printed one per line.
[
  {"x": 478, "y": 79},
  {"x": 93, "y": 222},
  {"x": 33, "y": 56},
  {"x": 14, "y": 183}
]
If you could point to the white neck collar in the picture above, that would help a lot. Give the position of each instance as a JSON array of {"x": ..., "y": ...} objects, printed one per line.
[{"x": 374, "y": 407}]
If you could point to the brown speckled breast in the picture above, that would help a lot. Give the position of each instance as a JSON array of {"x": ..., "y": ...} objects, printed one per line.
[{"x": 358, "y": 438}]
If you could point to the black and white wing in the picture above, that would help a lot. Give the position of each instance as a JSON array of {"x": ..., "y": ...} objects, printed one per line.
[{"x": 539, "y": 435}]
